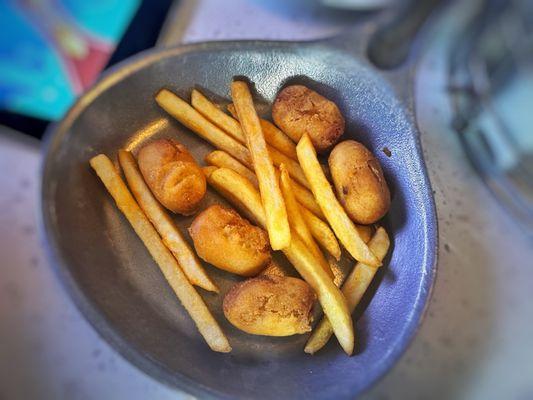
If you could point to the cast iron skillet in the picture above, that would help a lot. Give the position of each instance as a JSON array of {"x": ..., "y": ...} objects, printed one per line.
[{"x": 115, "y": 283}]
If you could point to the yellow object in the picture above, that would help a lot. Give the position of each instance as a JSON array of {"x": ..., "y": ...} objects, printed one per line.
[{"x": 170, "y": 268}]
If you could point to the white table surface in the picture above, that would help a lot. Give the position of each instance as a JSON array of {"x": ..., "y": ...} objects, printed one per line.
[{"x": 476, "y": 341}]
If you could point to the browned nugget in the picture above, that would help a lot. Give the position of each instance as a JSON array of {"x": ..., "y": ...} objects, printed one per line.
[
  {"x": 298, "y": 110},
  {"x": 173, "y": 175},
  {"x": 270, "y": 305},
  {"x": 359, "y": 182},
  {"x": 229, "y": 242}
]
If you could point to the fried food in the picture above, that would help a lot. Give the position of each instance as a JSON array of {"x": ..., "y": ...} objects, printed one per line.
[
  {"x": 190, "y": 299},
  {"x": 297, "y": 221},
  {"x": 218, "y": 117},
  {"x": 322, "y": 233},
  {"x": 319, "y": 229},
  {"x": 299, "y": 110},
  {"x": 224, "y": 239},
  {"x": 306, "y": 199},
  {"x": 221, "y": 159},
  {"x": 270, "y": 305},
  {"x": 197, "y": 123},
  {"x": 208, "y": 170},
  {"x": 173, "y": 175},
  {"x": 359, "y": 182},
  {"x": 341, "y": 224},
  {"x": 277, "y": 139},
  {"x": 235, "y": 188},
  {"x": 193, "y": 120},
  {"x": 292, "y": 166},
  {"x": 353, "y": 289},
  {"x": 273, "y": 268},
  {"x": 272, "y": 199},
  {"x": 164, "y": 224},
  {"x": 240, "y": 192},
  {"x": 273, "y": 135},
  {"x": 330, "y": 297}
]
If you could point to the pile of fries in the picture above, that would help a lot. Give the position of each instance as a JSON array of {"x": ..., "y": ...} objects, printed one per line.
[{"x": 279, "y": 185}]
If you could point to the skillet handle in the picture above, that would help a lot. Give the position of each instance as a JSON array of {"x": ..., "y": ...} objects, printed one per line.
[{"x": 391, "y": 44}]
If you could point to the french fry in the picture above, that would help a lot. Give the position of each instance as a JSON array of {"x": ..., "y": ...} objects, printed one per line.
[
  {"x": 277, "y": 139},
  {"x": 170, "y": 268},
  {"x": 193, "y": 120},
  {"x": 341, "y": 224},
  {"x": 196, "y": 122},
  {"x": 234, "y": 187},
  {"x": 306, "y": 199},
  {"x": 241, "y": 193},
  {"x": 319, "y": 229},
  {"x": 272, "y": 199},
  {"x": 232, "y": 110},
  {"x": 353, "y": 289},
  {"x": 208, "y": 170},
  {"x": 293, "y": 167},
  {"x": 330, "y": 297},
  {"x": 221, "y": 159},
  {"x": 273, "y": 135},
  {"x": 169, "y": 232},
  {"x": 297, "y": 221},
  {"x": 214, "y": 114},
  {"x": 322, "y": 233}
]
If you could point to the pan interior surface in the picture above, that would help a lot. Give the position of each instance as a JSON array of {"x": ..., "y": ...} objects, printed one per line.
[{"x": 120, "y": 289}]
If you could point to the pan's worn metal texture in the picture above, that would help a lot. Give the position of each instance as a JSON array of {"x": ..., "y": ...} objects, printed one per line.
[{"x": 115, "y": 283}]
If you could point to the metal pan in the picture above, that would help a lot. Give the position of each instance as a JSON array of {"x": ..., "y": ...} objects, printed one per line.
[{"x": 113, "y": 280}]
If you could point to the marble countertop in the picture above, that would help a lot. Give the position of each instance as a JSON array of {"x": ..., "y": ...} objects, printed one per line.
[{"x": 476, "y": 341}]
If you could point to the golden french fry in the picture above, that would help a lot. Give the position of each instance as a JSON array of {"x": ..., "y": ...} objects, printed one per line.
[
  {"x": 190, "y": 299},
  {"x": 240, "y": 192},
  {"x": 293, "y": 167},
  {"x": 353, "y": 289},
  {"x": 297, "y": 221},
  {"x": 330, "y": 297},
  {"x": 319, "y": 229},
  {"x": 322, "y": 233},
  {"x": 221, "y": 159},
  {"x": 232, "y": 110},
  {"x": 200, "y": 125},
  {"x": 341, "y": 224},
  {"x": 208, "y": 170},
  {"x": 169, "y": 232},
  {"x": 273, "y": 135},
  {"x": 193, "y": 120},
  {"x": 277, "y": 139},
  {"x": 214, "y": 114},
  {"x": 272, "y": 199},
  {"x": 306, "y": 199}
]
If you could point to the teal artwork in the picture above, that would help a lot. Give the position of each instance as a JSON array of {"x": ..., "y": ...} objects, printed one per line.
[{"x": 52, "y": 50}]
